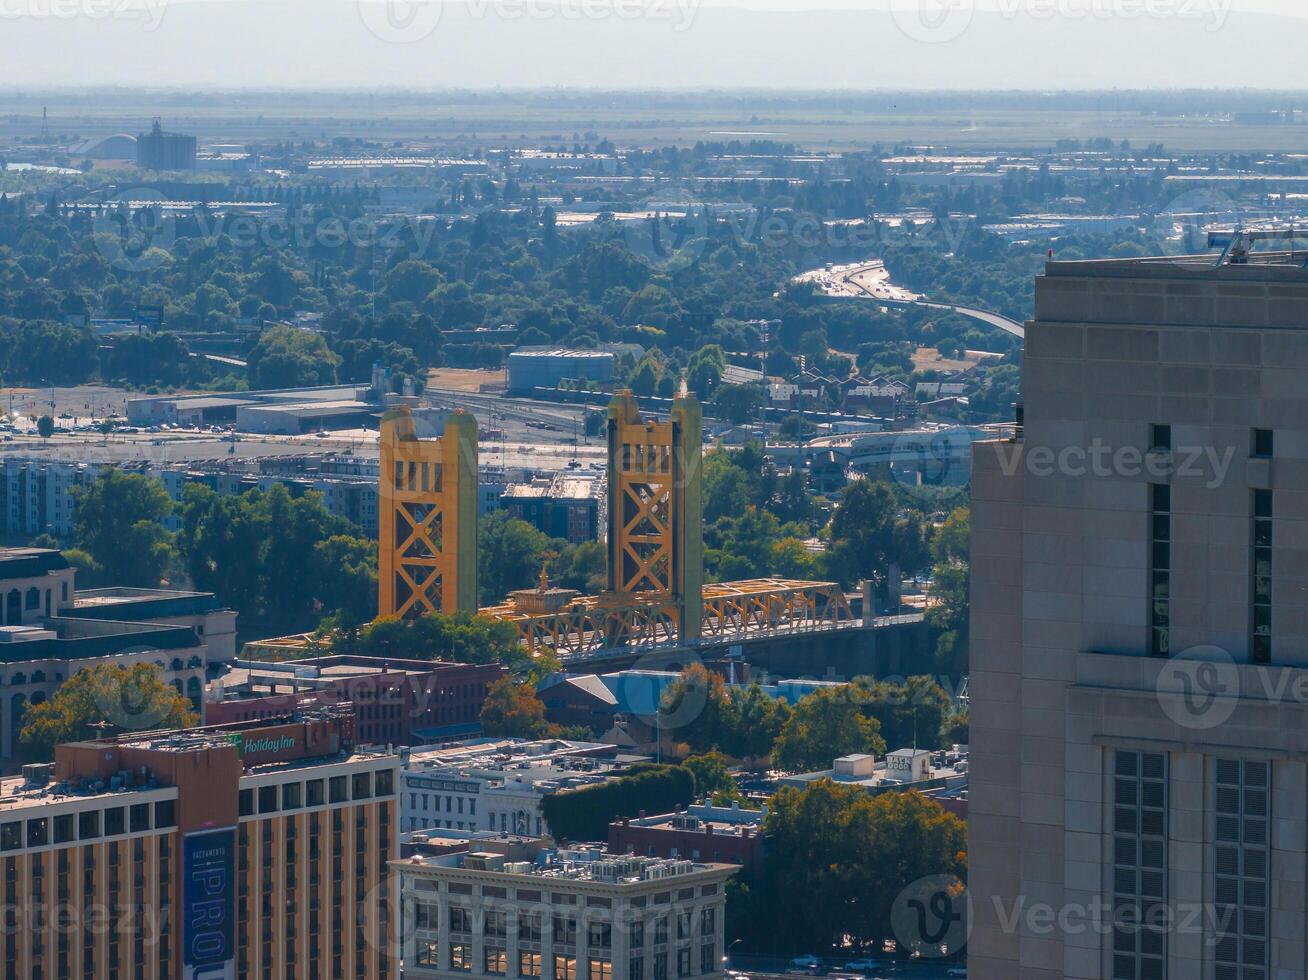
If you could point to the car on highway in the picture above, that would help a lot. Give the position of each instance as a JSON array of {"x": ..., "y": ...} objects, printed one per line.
[
  {"x": 808, "y": 961},
  {"x": 862, "y": 966},
  {"x": 957, "y": 971}
]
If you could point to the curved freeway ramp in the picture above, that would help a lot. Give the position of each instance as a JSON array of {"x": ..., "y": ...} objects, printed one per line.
[{"x": 984, "y": 316}]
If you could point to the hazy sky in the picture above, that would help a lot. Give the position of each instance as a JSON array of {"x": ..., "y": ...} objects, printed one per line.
[
  {"x": 1298, "y": 8},
  {"x": 813, "y": 44}
]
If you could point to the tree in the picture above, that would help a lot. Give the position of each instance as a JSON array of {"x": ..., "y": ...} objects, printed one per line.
[
  {"x": 347, "y": 570},
  {"x": 117, "y": 521},
  {"x": 704, "y": 371},
  {"x": 510, "y": 555},
  {"x": 584, "y": 814},
  {"x": 751, "y": 722},
  {"x": 134, "y": 698},
  {"x": 713, "y": 778},
  {"x": 513, "y": 710},
  {"x": 45, "y": 427},
  {"x": 460, "y": 637},
  {"x": 868, "y": 535},
  {"x": 90, "y": 573},
  {"x": 957, "y": 729},
  {"x": 583, "y": 567},
  {"x": 825, "y": 725},
  {"x": 726, "y": 486},
  {"x": 691, "y": 708},
  {"x": 279, "y": 561},
  {"x": 738, "y": 404},
  {"x": 827, "y": 842},
  {"x": 287, "y": 357},
  {"x": 951, "y": 580},
  {"x": 910, "y": 714}
]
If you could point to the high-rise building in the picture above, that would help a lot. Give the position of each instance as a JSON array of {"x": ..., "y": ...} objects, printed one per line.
[
  {"x": 1139, "y": 631},
  {"x": 256, "y": 851},
  {"x": 515, "y": 908}
]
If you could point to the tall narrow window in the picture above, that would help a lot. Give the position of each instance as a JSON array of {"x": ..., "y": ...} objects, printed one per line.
[
  {"x": 1139, "y": 866},
  {"x": 1160, "y": 568},
  {"x": 1260, "y": 641},
  {"x": 1241, "y": 883},
  {"x": 1160, "y": 438},
  {"x": 1264, "y": 444}
]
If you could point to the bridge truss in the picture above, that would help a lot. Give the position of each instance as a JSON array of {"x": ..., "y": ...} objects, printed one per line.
[{"x": 758, "y": 608}]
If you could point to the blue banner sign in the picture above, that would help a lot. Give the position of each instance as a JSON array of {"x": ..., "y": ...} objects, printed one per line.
[{"x": 208, "y": 904}]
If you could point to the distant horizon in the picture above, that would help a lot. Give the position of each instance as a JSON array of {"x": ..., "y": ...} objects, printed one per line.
[{"x": 650, "y": 46}]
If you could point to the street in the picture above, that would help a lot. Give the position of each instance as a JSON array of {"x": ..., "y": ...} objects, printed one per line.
[{"x": 770, "y": 968}]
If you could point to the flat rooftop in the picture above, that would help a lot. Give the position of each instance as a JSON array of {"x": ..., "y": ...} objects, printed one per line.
[
  {"x": 1270, "y": 266},
  {"x": 30, "y": 562},
  {"x": 16, "y": 793},
  {"x": 581, "y": 864}
]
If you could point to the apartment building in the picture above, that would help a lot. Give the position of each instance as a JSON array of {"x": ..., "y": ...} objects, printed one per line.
[
  {"x": 1139, "y": 631},
  {"x": 396, "y": 701},
  {"x": 518, "y": 908},
  {"x": 247, "y": 851}
]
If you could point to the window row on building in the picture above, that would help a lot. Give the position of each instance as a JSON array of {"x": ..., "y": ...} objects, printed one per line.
[
  {"x": 304, "y": 794},
  {"x": 87, "y": 825}
]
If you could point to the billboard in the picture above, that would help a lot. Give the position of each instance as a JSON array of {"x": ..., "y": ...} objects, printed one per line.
[{"x": 209, "y": 905}]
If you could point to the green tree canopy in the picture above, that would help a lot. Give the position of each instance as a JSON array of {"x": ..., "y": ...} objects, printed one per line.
[
  {"x": 125, "y": 699},
  {"x": 951, "y": 582},
  {"x": 513, "y": 710},
  {"x": 828, "y": 842},
  {"x": 288, "y": 357},
  {"x": 510, "y": 555},
  {"x": 584, "y": 814},
  {"x": 117, "y": 519},
  {"x": 825, "y": 725}
]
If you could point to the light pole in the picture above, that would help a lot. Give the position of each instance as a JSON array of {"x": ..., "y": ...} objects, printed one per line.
[{"x": 726, "y": 957}]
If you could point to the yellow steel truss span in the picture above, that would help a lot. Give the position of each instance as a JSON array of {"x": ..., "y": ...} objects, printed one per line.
[{"x": 731, "y": 610}]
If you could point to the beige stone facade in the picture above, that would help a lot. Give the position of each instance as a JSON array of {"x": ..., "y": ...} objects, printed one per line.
[{"x": 1139, "y": 709}]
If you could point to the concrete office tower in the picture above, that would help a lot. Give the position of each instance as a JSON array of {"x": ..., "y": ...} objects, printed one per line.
[{"x": 1139, "y": 625}]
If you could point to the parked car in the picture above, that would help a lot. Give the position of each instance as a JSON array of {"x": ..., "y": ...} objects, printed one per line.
[
  {"x": 808, "y": 961},
  {"x": 957, "y": 971},
  {"x": 862, "y": 966}
]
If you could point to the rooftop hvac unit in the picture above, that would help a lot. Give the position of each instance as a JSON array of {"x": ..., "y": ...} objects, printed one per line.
[
  {"x": 484, "y": 861},
  {"x": 38, "y": 773}
]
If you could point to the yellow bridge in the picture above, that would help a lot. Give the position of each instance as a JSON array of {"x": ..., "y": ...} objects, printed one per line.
[{"x": 656, "y": 596}]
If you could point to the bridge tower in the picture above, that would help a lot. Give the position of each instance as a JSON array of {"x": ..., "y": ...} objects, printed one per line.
[
  {"x": 427, "y": 517},
  {"x": 655, "y": 512}
]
